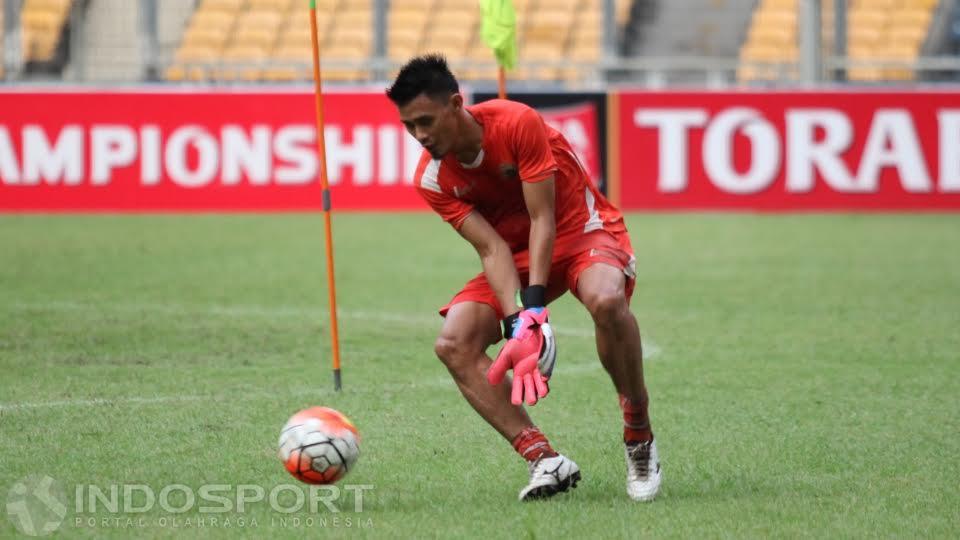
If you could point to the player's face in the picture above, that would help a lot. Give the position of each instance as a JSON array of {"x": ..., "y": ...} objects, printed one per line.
[{"x": 433, "y": 122}]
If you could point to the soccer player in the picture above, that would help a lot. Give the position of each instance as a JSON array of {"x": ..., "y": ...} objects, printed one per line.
[{"x": 512, "y": 187}]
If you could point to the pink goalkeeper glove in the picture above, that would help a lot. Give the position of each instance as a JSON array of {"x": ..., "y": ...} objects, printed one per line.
[{"x": 529, "y": 348}]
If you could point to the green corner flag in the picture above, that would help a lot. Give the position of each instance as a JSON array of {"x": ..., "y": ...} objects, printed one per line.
[{"x": 499, "y": 30}]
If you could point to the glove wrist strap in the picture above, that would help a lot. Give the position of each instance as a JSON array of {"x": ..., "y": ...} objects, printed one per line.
[
  {"x": 534, "y": 296},
  {"x": 508, "y": 323}
]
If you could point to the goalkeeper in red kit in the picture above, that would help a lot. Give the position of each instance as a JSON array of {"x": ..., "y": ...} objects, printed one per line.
[{"x": 513, "y": 188}]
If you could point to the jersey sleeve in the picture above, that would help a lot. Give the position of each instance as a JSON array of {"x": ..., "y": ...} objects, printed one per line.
[
  {"x": 427, "y": 182},
  {"x": 452, "y": 210},
  {"x": 532, "y": 148}
]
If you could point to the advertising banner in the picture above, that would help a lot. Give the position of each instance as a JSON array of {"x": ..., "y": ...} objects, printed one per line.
[
  {"x": 201, "y": 151},
  {"x": 869, "y": 150}
]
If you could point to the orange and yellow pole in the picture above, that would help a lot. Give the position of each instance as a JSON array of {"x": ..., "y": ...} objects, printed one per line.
[
  {"x": 324, "y": 183},
  {"x": 502, "y": 82}
]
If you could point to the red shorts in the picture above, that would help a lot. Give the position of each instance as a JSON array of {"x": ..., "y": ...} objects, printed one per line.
[{"x": 568, "y": 263}]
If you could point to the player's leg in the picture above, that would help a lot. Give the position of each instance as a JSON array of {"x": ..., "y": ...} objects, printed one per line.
[
  {"x": 468, "y": 330},
  {"x": 601, "y": 289},
  {"x": 603, "y": 282}
]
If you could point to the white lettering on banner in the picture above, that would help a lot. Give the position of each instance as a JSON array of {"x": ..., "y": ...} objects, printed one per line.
[
  {"x": 896, "y": 127},
  {"x": 949, "y": 150},
  {"x": 9, "y": 165},
  {"x": 295, "y": 145},
  {"x": 63, "y": 161},
  {"x": 805, "y": 154},
  {"x": 111, "y": 147},
  {"x": 250, "y": 155},
  {"x": 718, "y": 151},
  {"x": 357, "y": 155},
  {"x": 150, "y": 168},
  {"x": 193, "y": 156},
  {"x": 388, "y": 141},
  {"x": 673, "y": 125},
  {"x": 208, "y": 157},
  {"x": 891, "y": 141}
]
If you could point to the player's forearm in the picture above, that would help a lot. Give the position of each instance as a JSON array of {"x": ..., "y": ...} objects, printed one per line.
[
  {"x": 501, "y": 273},
  {"x": 543, "y": 231}
]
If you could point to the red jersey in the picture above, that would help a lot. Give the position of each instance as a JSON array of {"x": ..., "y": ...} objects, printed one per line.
[{"x": 517, "y": 147}]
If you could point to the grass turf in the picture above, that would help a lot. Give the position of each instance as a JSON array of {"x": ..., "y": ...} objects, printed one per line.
[{"x": 804, "y": 373}]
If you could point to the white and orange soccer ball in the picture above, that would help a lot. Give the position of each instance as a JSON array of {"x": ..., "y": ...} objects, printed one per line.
[{"x": 319, "y": 445}]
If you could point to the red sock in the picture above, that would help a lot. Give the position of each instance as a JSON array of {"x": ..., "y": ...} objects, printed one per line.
[
  {"x": 636, "y": 423},
  {"x": 532, "y": 444}
]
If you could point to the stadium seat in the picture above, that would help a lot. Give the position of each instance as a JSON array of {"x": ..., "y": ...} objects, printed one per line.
[
  {"x": 221, "y": 5},
  {"x": 548, "y": 31},
  {"x": 281, "y": 6},
  {"x": 42, "y": 23}
]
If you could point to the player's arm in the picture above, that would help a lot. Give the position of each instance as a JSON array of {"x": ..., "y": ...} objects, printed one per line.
[
  {"x": 537, "y": 169},
  {"x": 540, "y": 198},
  {"x": 497, "y": 260},
  {"x": 495, "y": 254}
]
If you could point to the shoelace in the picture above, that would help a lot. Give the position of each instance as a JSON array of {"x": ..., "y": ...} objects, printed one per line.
[
  {"x": 534, "y": 465},
  {"x": 640, "y": 457}
]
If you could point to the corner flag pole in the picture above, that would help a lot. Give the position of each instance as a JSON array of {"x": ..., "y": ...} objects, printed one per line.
[
  {"x": 502, "y": 83},
  {"x": 499, "y": 31},
  {"x": 322, "y": 154}
]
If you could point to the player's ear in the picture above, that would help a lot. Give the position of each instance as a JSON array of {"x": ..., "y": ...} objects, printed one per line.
[{"x": 456, "y": 101}]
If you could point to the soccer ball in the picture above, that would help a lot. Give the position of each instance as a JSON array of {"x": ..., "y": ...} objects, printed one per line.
[{"x": 319, "y": 445}]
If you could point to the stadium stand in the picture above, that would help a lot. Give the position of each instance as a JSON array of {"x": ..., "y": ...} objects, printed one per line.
[
  {"x": 270, "y": 39},
  {"x": 876, "y": 30},
  {"x": 42, "y": 23}
]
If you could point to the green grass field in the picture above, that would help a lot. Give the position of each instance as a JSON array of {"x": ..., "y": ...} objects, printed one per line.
[{"x": 804, "y": 372}]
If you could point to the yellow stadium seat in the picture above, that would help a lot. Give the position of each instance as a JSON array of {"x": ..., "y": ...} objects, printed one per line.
[
  {"x": 865, "y": 35},
  {"x": 400, "y": 38},
  {"x": 919, "y": 18},
  {"x": 344, "y": 74},
  {"x": 269, "y": 20},
  {"x": 273, "y": 5},
  {"x": 355, "y": 18},
  {"x": 549, "y": 27},
  {"x": 777, "y": 19},
  {"x": 197, "y": 54},
  {"x": 347, "y": 49},
  {"x": 911, "y": 36},
  {"x": 241, "y": 62},
  {"x": 868, "y": 18},
  {"x": 204, "y": 37},
  {"x": 424, "y": 6},
  {"x": 213, "y": 20},
  {"x": 259, "y": 37},
  {"x": 405, "y": 20},
  {"x": 779, "y": 4},
  {"x": 461, "y": 20},
  {"x": 922, "y": 4},
  {"x": 448, "y": 41},
  {"x": 221, "y": 5}
]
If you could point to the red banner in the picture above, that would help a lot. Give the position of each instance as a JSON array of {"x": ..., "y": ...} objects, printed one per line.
[
  {"x": 197, "y": 151},
  {"x": 867, "y": 150}
]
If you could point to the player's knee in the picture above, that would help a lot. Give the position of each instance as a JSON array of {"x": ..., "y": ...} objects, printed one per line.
[
  {"x": 608, "y": 307},
  {"x": 453, "y": 352}
]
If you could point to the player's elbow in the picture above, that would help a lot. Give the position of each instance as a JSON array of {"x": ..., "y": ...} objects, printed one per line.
[{"x": 491, "y": 248}]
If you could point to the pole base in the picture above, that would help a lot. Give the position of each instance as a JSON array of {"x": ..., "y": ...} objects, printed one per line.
[{"x": 336, "y": 380}]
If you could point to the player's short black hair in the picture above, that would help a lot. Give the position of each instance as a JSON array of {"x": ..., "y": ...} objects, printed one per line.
[{"x": 427, "y": 74}]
